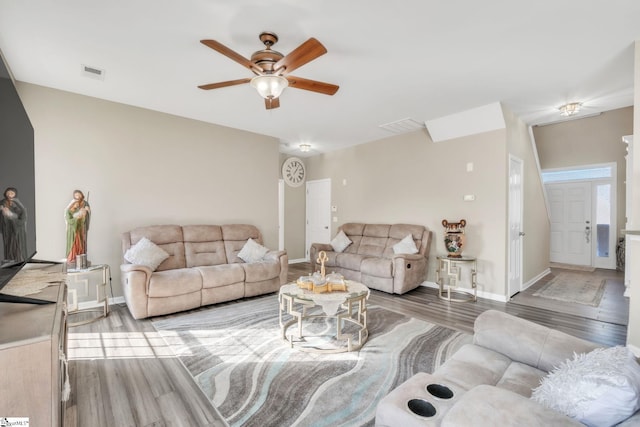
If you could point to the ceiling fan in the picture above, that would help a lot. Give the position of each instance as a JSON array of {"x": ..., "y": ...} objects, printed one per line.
[{"x": 271, "y": 68}]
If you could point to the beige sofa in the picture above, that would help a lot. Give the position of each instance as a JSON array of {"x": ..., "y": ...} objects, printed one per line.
[
  {"x": 491, "y": 380},
  {"x": 370, "y": 259},
  {"x": 202, "y": 268}
]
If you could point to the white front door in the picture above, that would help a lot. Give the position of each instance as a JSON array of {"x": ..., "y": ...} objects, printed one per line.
[
  {"x": 318, "y": 213},
  {"x": 570, "y": 222},
  {"x": 515, "y": 225}
]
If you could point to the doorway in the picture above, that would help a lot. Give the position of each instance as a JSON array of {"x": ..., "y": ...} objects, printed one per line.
[
  {"x": 515, "y": 225},
  {"x": 318, "y": 207},
  {"x": 583, "y": 215}
]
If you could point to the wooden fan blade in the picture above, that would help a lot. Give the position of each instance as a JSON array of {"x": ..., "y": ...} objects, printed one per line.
[
  {"x": 271, "y": 103},
  {"x": 312, "y": 85},
  {"x": 219, "y": 47},
  {"x": 306, "y": 52},
  {"x": 224, "y": 84}
]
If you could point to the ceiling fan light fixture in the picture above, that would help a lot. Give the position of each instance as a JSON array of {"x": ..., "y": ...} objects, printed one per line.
[
  {"x": 570, "y": 109},
  {"x": 269, "y": 86}
]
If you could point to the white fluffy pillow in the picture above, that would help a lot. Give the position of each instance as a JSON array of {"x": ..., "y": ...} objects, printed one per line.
[
  {"x": 600, "y": 388},
  {"x": 405, "y": 246},
  {"x": 252, "y": 251},
  {"x": 340, "y": 242},
  {"x": 146, "y": 253}
]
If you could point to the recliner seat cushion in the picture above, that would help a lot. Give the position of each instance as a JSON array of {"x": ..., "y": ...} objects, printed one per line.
[
  {"x": 260, "y": 271},
  {"x": 379, "y": 267},
  {"x": 350, "y": 261},
  {"x": 221, "y": 275},
  {"x": 174, "y": 282},
  {"x": 473, "y": 365}
]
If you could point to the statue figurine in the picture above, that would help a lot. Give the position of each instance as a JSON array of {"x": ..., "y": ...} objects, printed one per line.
[
  {"x": 77, "y": 215},
  {"x": 322, "y": 258}
]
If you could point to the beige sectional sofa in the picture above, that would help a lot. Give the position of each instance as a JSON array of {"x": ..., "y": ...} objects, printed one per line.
[
  {"x": 202, "y": 268},
  {"x": 491, "y": 382},
  {"x": 370, "y": 258}
]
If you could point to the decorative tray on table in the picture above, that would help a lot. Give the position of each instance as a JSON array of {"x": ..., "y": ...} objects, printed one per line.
[{"x": 315, "y": 283}]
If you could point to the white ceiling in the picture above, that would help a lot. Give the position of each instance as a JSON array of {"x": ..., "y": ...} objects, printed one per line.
[{"x": 419, "y": 59}]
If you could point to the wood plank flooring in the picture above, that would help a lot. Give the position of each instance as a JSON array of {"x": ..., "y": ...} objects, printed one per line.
[{"x": 122, "y": 373}]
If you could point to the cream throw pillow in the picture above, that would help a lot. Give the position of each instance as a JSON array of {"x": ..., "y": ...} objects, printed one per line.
[
  {"x": 146, "y": 253},
  {"x": 252, "y": 251},
  {"x": 405, "y": 246},
  {"x": 340, "y": 242},
  {"x": 600, "y": 388}
]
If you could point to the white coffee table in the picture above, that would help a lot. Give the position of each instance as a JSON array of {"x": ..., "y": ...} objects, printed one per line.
[{"x": 295, "y": 303}]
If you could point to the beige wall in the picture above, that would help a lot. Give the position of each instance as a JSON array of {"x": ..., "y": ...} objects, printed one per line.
[
  {"x": 588, "y": 141},
  {"x": 141, "y": 168},
  {"x": 294, "y": 217},
  {"x": 410, "y": 179},
  {"x": 535, "y": 243},
  {"x": 633, "y": 333}
]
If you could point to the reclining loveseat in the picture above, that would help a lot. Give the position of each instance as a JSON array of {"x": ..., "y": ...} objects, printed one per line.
[{"x": 376, "y": 257}]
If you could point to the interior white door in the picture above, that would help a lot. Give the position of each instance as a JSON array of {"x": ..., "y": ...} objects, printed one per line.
[
  {"x": 570, "y": 222},
  {"x": 318, "y": 213},
  {"x": 516, "y": 232}
]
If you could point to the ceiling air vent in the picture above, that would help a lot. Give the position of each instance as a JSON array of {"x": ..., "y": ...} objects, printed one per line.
[
  {"x": 92, "y": 72},
  {"x": 403, "y": 126}
]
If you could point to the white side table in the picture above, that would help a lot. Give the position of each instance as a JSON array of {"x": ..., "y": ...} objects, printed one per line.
[
  {"x": 79, "y": 289},
  {"x": 451, "y": 267}
]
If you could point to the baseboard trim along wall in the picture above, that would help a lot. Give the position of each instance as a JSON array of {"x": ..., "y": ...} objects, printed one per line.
[
  {"x": 93, "y": 304},
  {"x": 535, "y": 279},
  {"x": 298, "y": 261},
  {"x": 481, "y": 294}
]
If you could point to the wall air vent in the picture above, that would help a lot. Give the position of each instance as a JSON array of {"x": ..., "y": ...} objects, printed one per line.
[
  {"x": 403, "y": 126},
  {"x": 92, "y": 72}
]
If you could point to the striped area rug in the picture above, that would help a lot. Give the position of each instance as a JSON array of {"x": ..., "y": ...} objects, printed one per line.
[{"x": 236, "y": 355}]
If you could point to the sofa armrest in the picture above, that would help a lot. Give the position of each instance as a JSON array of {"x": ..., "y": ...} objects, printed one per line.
[
  {"x": 315, "y": 249},
  {"x": 135, "y": 286},
  {"x": 527, "y": 342},
  {"x": 492, "y": 406},
  {"x": 274, "y": 255},
  {"x": 282, "y": 258},
  {"x": 409, "y": 271},
  {"x": 409, "y": 257}
]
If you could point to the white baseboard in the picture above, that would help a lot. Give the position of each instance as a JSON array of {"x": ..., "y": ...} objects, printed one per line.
[
  {"x": 535, "y": 279},
  {"x": 93, "y": 304},
  {"x": 298, "y": 261},
  {"x": 116, "y": 300},
  {"x": 481, "y": 294}
]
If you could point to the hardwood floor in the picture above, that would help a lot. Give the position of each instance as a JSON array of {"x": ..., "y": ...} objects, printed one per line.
[
  {"x": 423, "y": 303},
  {"x": 122, "y": 373}
]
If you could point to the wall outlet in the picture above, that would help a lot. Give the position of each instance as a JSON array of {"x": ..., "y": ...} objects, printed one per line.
[{"x": 469, "y": 197}]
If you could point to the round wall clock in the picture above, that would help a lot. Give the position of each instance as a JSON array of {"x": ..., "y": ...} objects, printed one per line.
[{"x": 293, "y": 171}]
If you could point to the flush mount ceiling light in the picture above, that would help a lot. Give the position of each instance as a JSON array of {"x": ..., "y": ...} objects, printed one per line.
[
  {"x": 304, "y": 147},
  {"x": 570, "y": 109}
]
